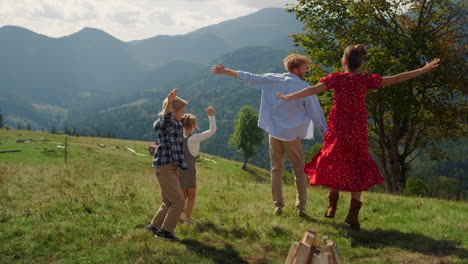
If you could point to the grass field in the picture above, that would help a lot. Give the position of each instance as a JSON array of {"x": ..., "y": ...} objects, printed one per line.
[{"x": 94, "y": 209}]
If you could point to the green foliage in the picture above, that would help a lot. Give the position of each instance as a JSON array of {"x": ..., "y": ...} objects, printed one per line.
[
  {"x": 415, "y": 187},
  {"x": 1, "y": 120},
  {"x": 312, "y": 151},
  {"x": 412, "y": 116},
  {"x": 246, "y": 134}
]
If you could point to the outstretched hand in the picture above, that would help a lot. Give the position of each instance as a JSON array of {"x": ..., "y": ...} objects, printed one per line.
[
  {"x": 431, "y": 65},
  {"x": 218, "y": 69},
  {"x": 282, "y": 96},
  {"x": 172, "y": 95},
  {"x": 210, "y": 111}
]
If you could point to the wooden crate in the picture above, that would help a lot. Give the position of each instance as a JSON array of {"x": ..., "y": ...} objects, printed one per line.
[{"x": 308, "y": 250}]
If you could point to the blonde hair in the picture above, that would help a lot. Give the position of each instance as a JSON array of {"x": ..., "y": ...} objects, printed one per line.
[
  {"x": 295, "y": 60},
  {"x": 188, "y": 121},
  {"x": 177, "y": 104},
  {"x": 355, "y": 55}
]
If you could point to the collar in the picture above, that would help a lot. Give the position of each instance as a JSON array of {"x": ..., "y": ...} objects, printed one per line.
[{"x": 292, "y": 75}]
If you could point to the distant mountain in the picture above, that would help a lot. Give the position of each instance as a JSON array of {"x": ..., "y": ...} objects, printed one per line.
[
  {"x": 49, "y": 81},
  {"x": 268, "y": 27},
  {"x": 201, "y": 89}
]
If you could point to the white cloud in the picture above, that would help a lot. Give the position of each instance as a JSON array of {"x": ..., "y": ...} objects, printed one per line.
[{"x": 125, "y": 19}]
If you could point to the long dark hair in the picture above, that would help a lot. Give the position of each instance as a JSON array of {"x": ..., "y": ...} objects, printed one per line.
[{"x": 355, "y": 54}]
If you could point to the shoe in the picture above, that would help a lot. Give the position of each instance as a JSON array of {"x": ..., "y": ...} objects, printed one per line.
[
  {"x": 302, "y": 213},
  {"x": 332, "y": 203},
  {"x": 161, "y": 233},
  {"x": 187, "y": 221},
  {"x": 353, "y": 215},
  {"x": 278, "y": 211},
  {"x": 152, "y": 228}
]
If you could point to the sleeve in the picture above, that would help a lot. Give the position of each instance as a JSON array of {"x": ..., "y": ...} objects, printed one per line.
[
  {"x": 258, "y": 80},
  {"x": 315, "y": 113},
  {"x": 206, "y": 134},
  {"x": 374, "y": 81},
  {"x": 331, "y": 81},
  {"x": 163, "y": 122}
]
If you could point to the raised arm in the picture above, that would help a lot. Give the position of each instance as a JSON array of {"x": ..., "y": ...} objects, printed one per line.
[
  {"x": 220, "y": 69},
  {"x": 165, "y": 121},
  {"x": 411, "y": 74},
  {"x": 311, "y": 90},
  {"x": 208, "y": 133},
  {"x": 170, "y": 99}
]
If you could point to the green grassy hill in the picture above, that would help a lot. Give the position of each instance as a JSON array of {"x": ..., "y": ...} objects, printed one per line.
[{"x": 95, "y": 208}]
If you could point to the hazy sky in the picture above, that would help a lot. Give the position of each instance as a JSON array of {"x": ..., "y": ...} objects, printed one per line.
[{"x": 125, "y": 19}]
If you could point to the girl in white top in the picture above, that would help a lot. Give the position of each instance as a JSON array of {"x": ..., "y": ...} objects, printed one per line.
[{"x": 187, "y": 178}]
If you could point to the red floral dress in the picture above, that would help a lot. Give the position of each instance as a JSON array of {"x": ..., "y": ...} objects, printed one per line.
[{"x": 344, "y": 162}]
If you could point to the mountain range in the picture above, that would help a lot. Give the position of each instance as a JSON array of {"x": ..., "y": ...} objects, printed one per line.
[
  {"x": 100, "y": 85},
  {"x": 50, "y": 81}
]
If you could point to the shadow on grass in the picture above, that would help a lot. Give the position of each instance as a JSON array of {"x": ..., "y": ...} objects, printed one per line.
[
  {"x": 225, "y": 255},
  {"x": 226, "y": 233},
  {"x": 415, "y": 242},
  {"x": 256, "y": 176}
]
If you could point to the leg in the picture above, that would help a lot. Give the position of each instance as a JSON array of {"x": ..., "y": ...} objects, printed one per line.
[
  {"x": 158, "y": 218},
  {"x": 276, "y": 173},
  {"x": 332, "y": 203},
  {"x": 356, "y": 196},
  {"x": 170, "y": 187},
  {"x": 185, "y": 192},
  {"x": 353, "y": 215},
  {"x": 190, "y": 202},
  {"x": 294, "y": 151}
]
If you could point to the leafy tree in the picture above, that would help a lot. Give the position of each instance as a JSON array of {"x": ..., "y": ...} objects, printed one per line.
[
  {"x": 1, "y": 120},
  {"x": 53, "y": 130},
  {"x": 415, "y": 187},
  {"x": 312, "y": 151},
  {"x": 246, "y": 133},
  {"x": 413, "y": 116},
  {"x": 28, "y": 127},
  {"x": 66, "y": 130}
]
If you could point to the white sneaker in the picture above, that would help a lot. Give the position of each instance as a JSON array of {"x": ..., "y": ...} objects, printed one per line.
[
  {"x": 187, "y": 221},
  {"x": 278, "y": 211},
  {"x": 302, "y": 213}
]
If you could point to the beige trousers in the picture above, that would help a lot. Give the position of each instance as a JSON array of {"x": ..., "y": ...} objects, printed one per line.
[
  {"x": 173, "y": 201},
  {"x": 293, "y": 149}
]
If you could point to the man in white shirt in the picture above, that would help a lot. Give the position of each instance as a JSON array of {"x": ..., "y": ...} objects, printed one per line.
[{"x": 286, "y": 122}]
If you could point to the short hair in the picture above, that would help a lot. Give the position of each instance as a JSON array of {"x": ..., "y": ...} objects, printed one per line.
[
  {"x": 188, "y": 121},
  {"x": 177, "y": 104},
  {"x": 355, "y": 55},
  {"x": 295, "y": 60}
]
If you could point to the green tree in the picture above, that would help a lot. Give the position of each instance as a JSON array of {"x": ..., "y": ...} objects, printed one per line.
[
  {"x": 66, "y": 130},
  {"x": 312, "y": 151},
  {"x": 410, "y": 117},
  {"x": 246, "y": 134},
  {"x": 53, "y": 130},
  {"x": 1, "y": 120}
]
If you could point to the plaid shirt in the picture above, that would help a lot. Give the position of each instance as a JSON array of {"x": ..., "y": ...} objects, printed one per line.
[{"x": 170, "y": 138}]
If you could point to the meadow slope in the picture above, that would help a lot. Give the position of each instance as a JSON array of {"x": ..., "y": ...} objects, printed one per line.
[{"x": 94, "y": 209}]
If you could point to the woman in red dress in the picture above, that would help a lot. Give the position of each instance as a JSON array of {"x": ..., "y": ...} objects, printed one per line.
[{"x": 344, "y": 163}]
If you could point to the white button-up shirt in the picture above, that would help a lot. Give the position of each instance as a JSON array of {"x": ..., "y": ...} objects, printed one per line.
[{"x": 285, "y": 120}]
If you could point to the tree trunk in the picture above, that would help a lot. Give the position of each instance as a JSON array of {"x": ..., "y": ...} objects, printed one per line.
[
  {"x": 244, "y": 167},
  {"x": 394, "y": 169}
]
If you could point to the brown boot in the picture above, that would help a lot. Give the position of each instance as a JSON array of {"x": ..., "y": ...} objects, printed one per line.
[
  {"x": 332, "y": 202},
  {"x": 353, "y": 214}
]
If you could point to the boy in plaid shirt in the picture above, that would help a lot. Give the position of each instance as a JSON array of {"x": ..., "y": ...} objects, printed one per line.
[{"x": 168, "y": 158}]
